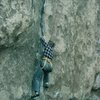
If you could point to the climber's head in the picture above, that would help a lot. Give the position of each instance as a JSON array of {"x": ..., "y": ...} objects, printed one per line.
[{"x": 51, "y": 44}]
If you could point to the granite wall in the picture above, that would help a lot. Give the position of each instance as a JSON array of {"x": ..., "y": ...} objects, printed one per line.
[{"x": 74, "y": 25}]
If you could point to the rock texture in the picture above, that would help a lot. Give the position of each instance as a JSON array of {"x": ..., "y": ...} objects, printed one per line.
[{"x": 74, "y": 25}]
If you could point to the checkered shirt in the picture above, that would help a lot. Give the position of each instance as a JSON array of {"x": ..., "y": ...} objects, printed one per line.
[{"x": 47, "y": 51}]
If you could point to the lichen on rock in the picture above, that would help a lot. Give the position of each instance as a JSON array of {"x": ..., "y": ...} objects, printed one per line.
[{"x": 74, "y": 27}]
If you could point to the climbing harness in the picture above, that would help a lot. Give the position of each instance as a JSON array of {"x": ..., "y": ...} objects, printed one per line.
[
  {"x": 46, "y": 64},
  {"x": 48, "y": 60}
]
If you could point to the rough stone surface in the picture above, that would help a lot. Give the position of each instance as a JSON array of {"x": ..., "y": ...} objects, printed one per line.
[{"x": 74, "y": 25}]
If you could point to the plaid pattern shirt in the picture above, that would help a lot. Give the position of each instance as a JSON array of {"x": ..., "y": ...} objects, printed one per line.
[{"x": 47, "y": 51}]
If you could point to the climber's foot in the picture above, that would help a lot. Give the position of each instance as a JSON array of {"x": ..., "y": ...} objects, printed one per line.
[
  {"x": 46, "y": 85},
  {"x": 34, "y": 95}
]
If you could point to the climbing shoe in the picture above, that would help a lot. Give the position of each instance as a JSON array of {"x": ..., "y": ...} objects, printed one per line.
[
  {"x": 35, "y": 95},
  {"x": 46, "y": 85}
]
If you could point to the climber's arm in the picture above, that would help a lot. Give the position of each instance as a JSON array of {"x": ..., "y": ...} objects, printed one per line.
[{"x": 43, "y": 42}]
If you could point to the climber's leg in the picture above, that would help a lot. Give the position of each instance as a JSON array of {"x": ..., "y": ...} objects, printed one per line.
[
  {"x": 47, "y": 69},
  {"x": 46, "y": 80},
  {"x": 36, "y": 82}
]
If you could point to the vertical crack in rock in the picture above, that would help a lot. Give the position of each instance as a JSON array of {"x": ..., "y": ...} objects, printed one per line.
[
  {"x": 42, "y": 26},
  {"x": 74, "y": 22},
  {"x": 32, "y": 4}
]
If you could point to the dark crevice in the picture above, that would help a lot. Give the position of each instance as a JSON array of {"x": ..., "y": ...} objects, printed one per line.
[
  {"x": 42, "y": 26},
  {"x": 32, "y": 4},
  {"x": 94, "y": 90}
]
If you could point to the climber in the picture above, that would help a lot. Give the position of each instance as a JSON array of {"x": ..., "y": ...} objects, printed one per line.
[{"x": 43, "y": 68}]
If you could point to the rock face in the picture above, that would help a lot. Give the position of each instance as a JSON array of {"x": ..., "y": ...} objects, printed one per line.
[{"x": 72, "y": 24}]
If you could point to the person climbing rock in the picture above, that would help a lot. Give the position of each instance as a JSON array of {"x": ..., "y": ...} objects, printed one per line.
[{"x": 43, "y": 68}]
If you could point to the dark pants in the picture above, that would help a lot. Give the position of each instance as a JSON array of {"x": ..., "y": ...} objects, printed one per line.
[{"x": 38, "y": 76}]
